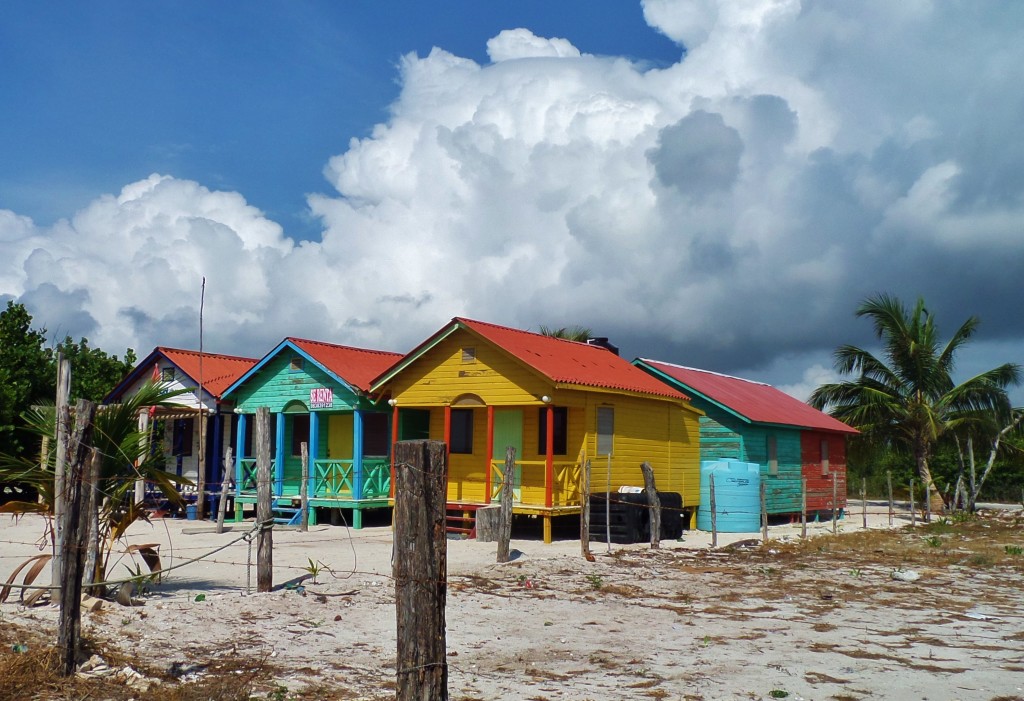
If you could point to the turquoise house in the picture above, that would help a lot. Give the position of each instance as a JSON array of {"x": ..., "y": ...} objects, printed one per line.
[{"x": 319, "y": 394}]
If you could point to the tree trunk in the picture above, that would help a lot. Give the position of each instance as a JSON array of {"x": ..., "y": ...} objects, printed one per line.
[{"x": 925, "y": 473}]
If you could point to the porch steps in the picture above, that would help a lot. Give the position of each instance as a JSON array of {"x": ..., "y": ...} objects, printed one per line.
[
  {"x": 286, "y": 515},
  {"x": 461, "y": 520}
]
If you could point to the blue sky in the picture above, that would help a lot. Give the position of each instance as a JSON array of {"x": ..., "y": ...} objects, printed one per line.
[
  {"x": 250, "y": 97},
  {"x": 713, "y": 183}
]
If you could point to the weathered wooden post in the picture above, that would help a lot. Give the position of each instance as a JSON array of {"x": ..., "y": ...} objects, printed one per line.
[
  {"x": 69, "y": 627},
  {"x": 864, "y": 500},
  {"x": 608, "y": 505},
  {"x": 225, "y": 481},
  {"x": 92, "y": 519},
  {"x": 507, "y": 490},
  {"x": 421, "y": 569},
  {"x": 803, "y": 507},
  {"x": 653, "y": 503},
  {"x": 764, "y": 514},
  {"x": 62, "y": 418},
  {"x": 304, "y": 489},
  {"x": 201, "y": 463},
  {"x": 888, "y": 489},
  {"x": 714, "y": 511},
  {"x": 264, "y": 513},
  {"x": 835, "y": 505},
  {"x": 927, "y": 502},
  {"x": 585, "y": 511},
  {"x": 913, "y": 510}
]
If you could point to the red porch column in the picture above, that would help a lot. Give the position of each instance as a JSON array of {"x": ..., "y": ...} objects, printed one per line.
[
  {"x": 490, "y": 454},
  {"x": 549, "y": 458}
]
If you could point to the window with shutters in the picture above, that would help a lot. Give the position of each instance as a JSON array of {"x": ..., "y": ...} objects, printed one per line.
[
  {"x": 773, "y": 456},
  {"x": 824, "y": 458},
  {"x": 605, "y": 429}
]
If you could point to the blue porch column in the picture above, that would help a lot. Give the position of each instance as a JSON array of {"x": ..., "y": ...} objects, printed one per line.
[
  {"x": 357, "y": 454},
  {"x": 314, "y": 442},
  {"x": 237, "y": 467},
  {"x": 279, "y": 455}
]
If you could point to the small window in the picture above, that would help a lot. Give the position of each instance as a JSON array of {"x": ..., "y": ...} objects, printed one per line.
[
  {"x": 824, "y": 459},
  {"x": 559, "y": 434},
  {"x": 468, "y": 355},
  {"x": 605, "y": 429},
  {"x": 167, "y": 375},
  {"x": 376, "y": 436},
  {"x": 295, "y": 365},
  {"x": 773, "y": 456},
  {"x": 462, "y": 431},
  {"x": 300, "y": 433},
  {"x": 182, "y": 444}
]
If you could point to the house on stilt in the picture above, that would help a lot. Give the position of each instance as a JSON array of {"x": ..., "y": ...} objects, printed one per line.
[
  {"x": 319, "y": 394},
  {"x": 480, "y": 388},
  {"x": 792, "y": 442}
]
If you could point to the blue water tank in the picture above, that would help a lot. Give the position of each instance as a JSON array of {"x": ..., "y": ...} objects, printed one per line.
[{"x": 737, "y": 496}]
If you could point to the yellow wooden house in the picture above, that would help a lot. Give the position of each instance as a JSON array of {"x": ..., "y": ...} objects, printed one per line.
[{"x": 480, "y": 388}]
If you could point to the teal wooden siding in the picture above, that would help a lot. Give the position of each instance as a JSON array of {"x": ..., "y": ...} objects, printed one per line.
[
  {"x": 725, "y": 436},
  {"x": 718, "y": 441},
  {"x": 275, "y": 385}
]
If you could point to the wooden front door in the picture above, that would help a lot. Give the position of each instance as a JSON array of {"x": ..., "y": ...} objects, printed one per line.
[{"x": 508, "y": 431}]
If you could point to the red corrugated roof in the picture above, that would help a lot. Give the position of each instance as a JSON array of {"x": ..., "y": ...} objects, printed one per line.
[
  {"x": 755, "y": 401},
  {"x": 571, "y": 362},
  {"x": 219, "y": 371},
  {"x": 357, "y": 366}
]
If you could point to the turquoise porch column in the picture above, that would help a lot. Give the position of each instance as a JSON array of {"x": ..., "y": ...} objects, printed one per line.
[
  {"x": 239, "y": 454},
  {"x": 357, "y": 467},
  {"x": 314, "y": 444},
  {"x": 279, "y": 456}
]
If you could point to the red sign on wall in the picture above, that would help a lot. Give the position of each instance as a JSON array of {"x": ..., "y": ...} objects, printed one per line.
[{"x": 321, "y": 398}]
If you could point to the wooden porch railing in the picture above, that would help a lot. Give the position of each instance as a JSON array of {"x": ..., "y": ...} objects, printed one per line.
[{"x": 565, "y": 488}]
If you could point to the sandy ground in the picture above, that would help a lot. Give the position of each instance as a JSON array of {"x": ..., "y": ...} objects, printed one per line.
[{"x": 682, "y": 622}]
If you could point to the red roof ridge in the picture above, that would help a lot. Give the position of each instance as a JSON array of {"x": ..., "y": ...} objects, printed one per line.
[
  {"x": 188, "y": 351},
  {"x": 707, "y": 372},
  {"x": 297, "y": 340}
]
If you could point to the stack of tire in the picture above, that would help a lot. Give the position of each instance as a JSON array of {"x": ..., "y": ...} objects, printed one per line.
[{"x": 627, "y": 517}]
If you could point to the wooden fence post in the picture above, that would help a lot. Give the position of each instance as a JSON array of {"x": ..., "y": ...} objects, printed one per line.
[
  {"x": 507, "y": 492},
  {"x": 864, "y": 500},
  {"x": 69, "y": 627},
  {"x": 927, "y": 502},
  {"x": 62, "y": 419},
  {"x": 714, "y": 512},
  {"x": 304, "y": 489},
  {"x": 421, "y": 569},
  {"x": 888, "y": 489},
  {"x": 653, "y": 503},
  {"x": 201, "y": 461},
  {"x": 264, "y": 513},
  {"x": 913, "y": 510},
  {"x": 835, "y": 504},
  {"x": 585, "y": 512},
  {"x": 764, "y": 514},
  {"x": 222, "y": 506},
  {"x": 803, "y": 507}
]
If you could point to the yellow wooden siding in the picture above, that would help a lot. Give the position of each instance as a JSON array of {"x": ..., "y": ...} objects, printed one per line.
[
  {"x": 438, "y": 376},
  {"x": 339, "y": 436}
]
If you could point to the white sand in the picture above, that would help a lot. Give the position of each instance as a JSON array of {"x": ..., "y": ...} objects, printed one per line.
[{"x": 679, "y": 623}]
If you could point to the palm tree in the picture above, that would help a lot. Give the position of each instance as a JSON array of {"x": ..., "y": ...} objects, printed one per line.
[
  {"x": 125, "y": 455},
  {"x": 907, "y": 399},
  {"x": 568, "y": 333}
]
